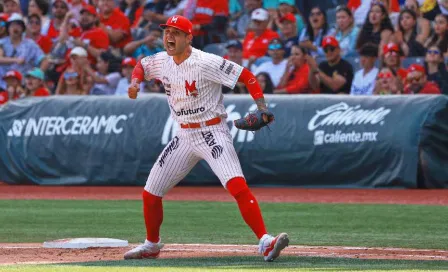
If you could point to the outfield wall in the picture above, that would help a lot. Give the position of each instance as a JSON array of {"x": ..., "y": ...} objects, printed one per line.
[{"x": 316, "y": 141}]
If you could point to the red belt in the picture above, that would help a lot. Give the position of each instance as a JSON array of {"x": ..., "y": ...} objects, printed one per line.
[{"x": 207, "y": 123}]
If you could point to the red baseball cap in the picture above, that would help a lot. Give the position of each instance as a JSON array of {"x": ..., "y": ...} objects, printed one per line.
[
  {"x": 4, "y": 17},
  {"x": 179, "y": 22},
  {"x": 90, "y": 9},
  {"x": 330, "y": 41},
  {"x": 391, "y": 47},
  {"x": 288, "y": 17},
  {"x": 129, "y": 62},
  {"x": 13, "y": 74},
  {"x": 416, "y": 68}
]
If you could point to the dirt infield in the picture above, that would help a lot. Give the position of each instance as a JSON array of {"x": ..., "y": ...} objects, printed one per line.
[{"x": 35, "y": 253}]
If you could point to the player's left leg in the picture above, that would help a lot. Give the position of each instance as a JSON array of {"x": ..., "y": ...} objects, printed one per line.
[{"x": 215, "y": 145}]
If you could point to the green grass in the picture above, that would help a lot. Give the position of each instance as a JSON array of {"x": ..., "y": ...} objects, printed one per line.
[
  {"x": 245, "y": 264},
  {"x": 411, "y": 226}
]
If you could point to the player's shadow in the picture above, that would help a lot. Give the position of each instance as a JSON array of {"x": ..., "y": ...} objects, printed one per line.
[{"x": 283, "y": 263}]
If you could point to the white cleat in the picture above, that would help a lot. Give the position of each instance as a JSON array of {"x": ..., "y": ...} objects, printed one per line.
[
  {"x": 146, "y": 251},
  {"x": 271, "y": 246}
]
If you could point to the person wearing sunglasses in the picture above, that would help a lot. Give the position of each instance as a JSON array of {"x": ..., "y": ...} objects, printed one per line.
[
  {"x": 387, "y": 82},
  {"x": 417, "y": 82},
  {"x": 33, "y": 31},
  {"x": 277, "y": 65},
  {"x": 364, "y": 80},
  {"x": 71, "y": 83},
  {"x": 392, "y": 58},
  {"x": 436, "y": 70},
  {"x": 333, "y": 76}
]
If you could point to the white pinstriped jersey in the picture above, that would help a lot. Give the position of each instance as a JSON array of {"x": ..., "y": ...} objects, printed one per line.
[{"x": 194, "y": 87}]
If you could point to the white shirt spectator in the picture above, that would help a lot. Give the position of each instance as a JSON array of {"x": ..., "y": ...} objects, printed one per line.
[
  {"x": 123, "y": 84},
  {"x": 107, "y": 88},
  {"x": 275, "y": 71},
  {"x": 364, "y": 84}
]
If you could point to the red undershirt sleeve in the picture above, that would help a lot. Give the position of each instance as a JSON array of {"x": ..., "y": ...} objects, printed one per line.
[
  {"x": 251, "y": 83},
  {"x": 138, "y": 73}
]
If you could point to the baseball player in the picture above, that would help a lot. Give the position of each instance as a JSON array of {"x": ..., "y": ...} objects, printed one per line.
[{"x": 193, "y": 80}]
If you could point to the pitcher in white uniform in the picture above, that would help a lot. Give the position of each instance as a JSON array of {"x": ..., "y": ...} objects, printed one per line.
[{"x": 193, "y": 81}]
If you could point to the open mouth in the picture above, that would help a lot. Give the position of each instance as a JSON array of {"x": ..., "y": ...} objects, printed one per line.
[{"x": 171, "y": 45}]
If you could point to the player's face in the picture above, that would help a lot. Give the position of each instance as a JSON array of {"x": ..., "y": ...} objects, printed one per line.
[{"x": 175, "y": 41}]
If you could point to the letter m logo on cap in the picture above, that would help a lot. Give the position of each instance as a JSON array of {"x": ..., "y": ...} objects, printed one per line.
[{"x": 174, "y": 19}]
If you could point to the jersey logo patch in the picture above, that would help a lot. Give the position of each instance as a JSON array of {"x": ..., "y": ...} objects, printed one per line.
[{"x": 190, "y": 89}]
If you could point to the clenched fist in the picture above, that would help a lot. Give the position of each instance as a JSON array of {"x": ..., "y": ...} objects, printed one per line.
[{"x": 133, "y": 89}]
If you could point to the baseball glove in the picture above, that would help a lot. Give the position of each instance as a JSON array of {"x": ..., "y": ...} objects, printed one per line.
[{"x": 255, "y": 121}]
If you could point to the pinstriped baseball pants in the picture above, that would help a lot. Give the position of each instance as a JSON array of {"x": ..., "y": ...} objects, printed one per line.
[{"x": 214, "y": 144}]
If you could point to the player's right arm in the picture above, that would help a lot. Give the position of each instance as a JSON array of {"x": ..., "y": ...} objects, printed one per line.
[{"x": 137, "y": 77}]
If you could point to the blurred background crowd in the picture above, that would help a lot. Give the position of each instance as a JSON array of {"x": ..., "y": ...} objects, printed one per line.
[{"x": 357, "y": 47}]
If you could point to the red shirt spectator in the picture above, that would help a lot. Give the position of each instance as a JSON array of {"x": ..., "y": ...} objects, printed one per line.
[
  {"x": 205, "y": 10},
  {"x": 118, "y": 22},
  {"x": 417, "y": 81},
  {"x": 257, "y": 41}
]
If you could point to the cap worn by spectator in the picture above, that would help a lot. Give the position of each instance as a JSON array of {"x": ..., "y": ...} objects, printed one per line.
[
  {"x": 179, "y": 22},
  {"x": 234, "y": 44},
  {"x": 288, "y": 17},
  {"x": 16, "y": 18},
  {"x": 78, "y": 51},
  {"x": 4, "y": 17},
  {"x": 36, "y": 73},
  {"x": 330, "y": 41},
  {"x": 416, "y": 68},
  {"x": 13, "y": 74},
  {"x": 276, "y": 44},
  {"x": 129, "y": 62},
  {"x": 90, "y": 9},
  {"x": 391, "y": 47},
  {"x": 260, "y": 15}
]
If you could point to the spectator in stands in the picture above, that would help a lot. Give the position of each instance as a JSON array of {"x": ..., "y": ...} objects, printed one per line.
[
  {"x": 235, "y": 54},
  {"x": 377, "y": 28},
  {"x": 256, "y": 42},
  {"x": 423, "y": 24},
  {"x": 417, "y": 83},
  {"x": 35, "y": 83},
  {"x": 108, "y": 75},
  {"x": 114, "y": 23},
  {"x": 436, "y": 68},
  {"x": 148, "y": 46},
  {"x": 92, "y": 38},
  {"x": 316, "y": 28},
  {"x": 14, "y": 88},
  {"x": 239, "y": 25},
  {"x": 295, "y": 79},
  {"x": 133, "y": 10},
  {"x": 364, "y": 80},
  {"x": 33, "y": 32},
  {"x": 59, "y": 9},
  {"x": 429, "y": 9},
  {"x": 39, "y": 8},
  {"x": 168, "y": 8},
  {"x": 277, "y": 65},
  {"x": 406, "y": 34},
  {"x": 3, "y": 21},
  {"x": 288, "y": 32},
  {"x": 387, "y": 82},
  {"x": 346, "y": 31},
  {"x": 209, "y": 20},
  {"x": 286, "y": 7},
  {"x": 392, "y": 59},
  {"x": 265, "y": 82},
  {"x": 11, "y": 7},
  {"x": 333, "y": 76},
  {"x": 440, "y": 36},
  {"x": 76, "y": 6},
  {"x": 71, "y": 83},
  {"x": 361, "y": 8},
  {"x": 127, "y": 66},
  {"x": 20, "y": 53}
]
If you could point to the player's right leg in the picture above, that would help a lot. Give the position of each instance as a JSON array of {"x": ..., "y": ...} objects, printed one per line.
[{"x": 173, "y": 164}]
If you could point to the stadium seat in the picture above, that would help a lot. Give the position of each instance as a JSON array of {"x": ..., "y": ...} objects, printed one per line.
[{"x": 216, "y": 48}]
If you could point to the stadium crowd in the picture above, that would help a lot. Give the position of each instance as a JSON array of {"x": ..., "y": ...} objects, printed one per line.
[{"x": 89, "y": 47}]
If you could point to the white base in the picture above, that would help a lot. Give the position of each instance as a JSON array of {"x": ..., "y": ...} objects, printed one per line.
[{"x": 85, "y": 243}]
